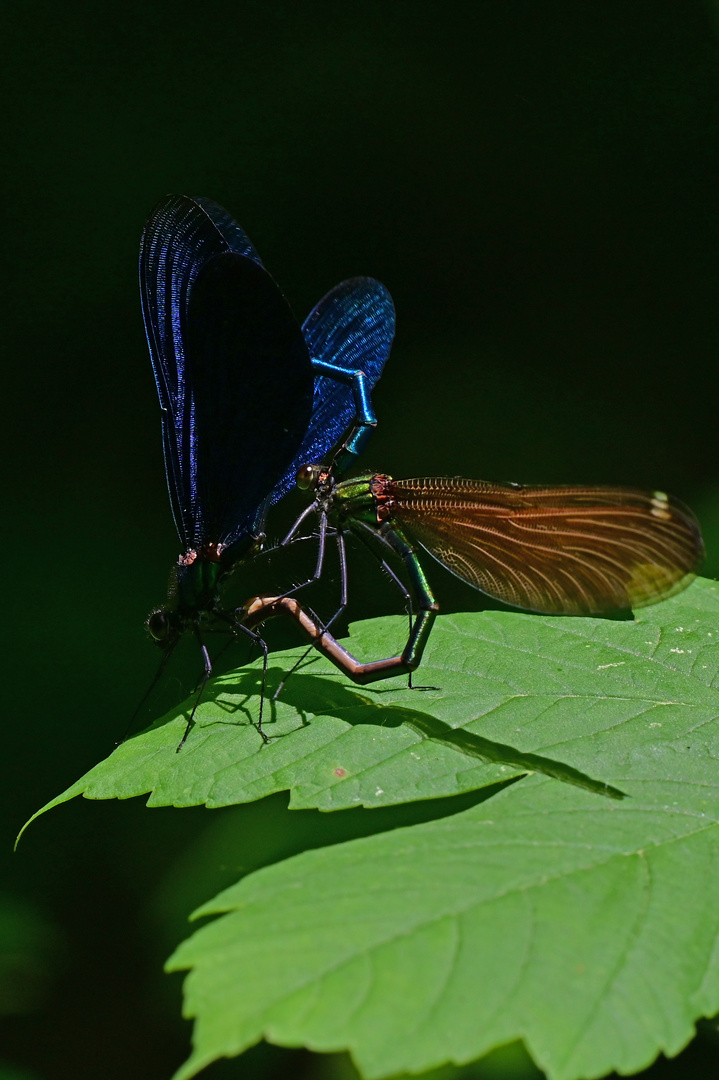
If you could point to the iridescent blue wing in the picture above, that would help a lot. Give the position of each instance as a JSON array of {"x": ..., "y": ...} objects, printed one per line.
[
  {"x": 248, "y": 400},
  {"x": 180, "y": 237},
  {"x": 351, "y": 327},
  {"x": 236, "y": 238}
]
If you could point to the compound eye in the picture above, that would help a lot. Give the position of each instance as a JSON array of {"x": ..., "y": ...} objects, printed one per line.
[
  {"x": 307, "y": 475},
  {"x": 159, "y": 625}
]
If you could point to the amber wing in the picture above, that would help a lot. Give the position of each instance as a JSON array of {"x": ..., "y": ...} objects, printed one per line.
[{"x": 559, "y": 550}]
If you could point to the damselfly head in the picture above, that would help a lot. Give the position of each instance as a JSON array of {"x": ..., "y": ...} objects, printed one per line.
[
  {"x": 307, "y": 476},
  {"x": 310, "y": 476},
  {"x": 162, "y": 627}
]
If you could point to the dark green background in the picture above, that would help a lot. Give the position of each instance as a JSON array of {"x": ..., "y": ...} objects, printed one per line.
[{"x": 536, "y": 183}]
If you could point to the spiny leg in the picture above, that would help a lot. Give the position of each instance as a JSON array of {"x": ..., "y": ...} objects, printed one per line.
[
  {"x": 256, "y": 639},
  {"x": 416, "y": 575},
  {"x": 207, "y": 672},
  {"x": 428, "y": 606},
  {"x": 420, "y": 627},
  {"x": 409, "y": 608},
  {"x": 203, "y": 683},
  {"x": 260, "y": 608},
  {"x": 311, "y": 509},
  {"x": 368, "y": 531},
  {"x": 321, "y": 543},
  {"x": 342, "y": 554}
]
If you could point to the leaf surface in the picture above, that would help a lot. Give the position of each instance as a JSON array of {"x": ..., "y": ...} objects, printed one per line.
[
  {"x": 593, "y": 702},
  {"x": 586, "y": 927}
]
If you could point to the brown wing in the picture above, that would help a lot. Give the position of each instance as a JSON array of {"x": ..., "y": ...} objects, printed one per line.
[{"x": 561, "y": 550}]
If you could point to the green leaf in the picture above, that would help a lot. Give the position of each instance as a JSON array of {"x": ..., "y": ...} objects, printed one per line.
[
  {"x": 586, "y": 927},
  {"x": 590, "y": 701}
]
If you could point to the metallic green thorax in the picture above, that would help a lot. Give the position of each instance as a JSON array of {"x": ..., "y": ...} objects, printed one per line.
[
  {"x": 194, "y": 592},
  {"x": 196, "y": 580},
  {"x": 196, "y": 585},
  {"x": 353, "y": 499}
]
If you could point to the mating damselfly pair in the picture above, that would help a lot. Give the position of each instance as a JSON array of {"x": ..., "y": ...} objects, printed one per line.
[{"x": 253, "y": 402}]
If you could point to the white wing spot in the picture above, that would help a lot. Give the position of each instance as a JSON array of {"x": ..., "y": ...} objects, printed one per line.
[{"x": 660, "y": 502}]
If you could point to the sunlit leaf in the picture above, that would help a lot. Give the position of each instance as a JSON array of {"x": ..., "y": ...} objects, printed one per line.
[{"x": 589, "y": 701}]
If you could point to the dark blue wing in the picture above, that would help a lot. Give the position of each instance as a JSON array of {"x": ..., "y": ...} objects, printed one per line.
[
  {"x": 180, "y": 237},
  {"x": 248, "y": 403},
  {"x": 236, "y": 238},
  {"x": 352, "y": 327}
]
